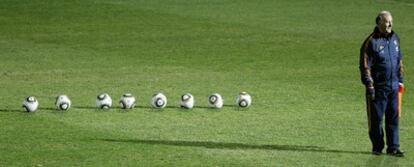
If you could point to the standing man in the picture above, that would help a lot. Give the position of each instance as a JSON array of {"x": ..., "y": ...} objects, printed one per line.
[{"x": 382, "y": 74}]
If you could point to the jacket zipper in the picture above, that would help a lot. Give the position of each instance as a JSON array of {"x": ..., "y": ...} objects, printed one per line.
[{"x": 390, "y": 57}]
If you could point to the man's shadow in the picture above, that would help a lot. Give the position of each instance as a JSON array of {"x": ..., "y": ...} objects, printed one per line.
[
  {"x": 21, "y": 110},
  {"x": 11, "y": 110},
  {"x": 222, "y": 145}
]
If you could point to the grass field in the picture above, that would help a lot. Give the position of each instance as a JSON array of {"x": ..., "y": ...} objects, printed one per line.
[{"x": 298, "y": 59}]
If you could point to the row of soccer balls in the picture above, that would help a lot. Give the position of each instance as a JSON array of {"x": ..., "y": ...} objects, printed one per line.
[{"x": 159, "y": 100}]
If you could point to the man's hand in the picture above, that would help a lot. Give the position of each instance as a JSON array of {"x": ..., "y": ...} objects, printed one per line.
[
  {"x": 370, "y": 91},
  {"x": 401, "y": 88}
]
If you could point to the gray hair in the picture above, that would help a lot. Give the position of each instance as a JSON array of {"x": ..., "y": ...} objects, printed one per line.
[{"x": 381, "y": 15}]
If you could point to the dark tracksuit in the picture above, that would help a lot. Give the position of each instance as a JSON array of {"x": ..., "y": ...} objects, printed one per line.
[{"x": 381, "y": 67}]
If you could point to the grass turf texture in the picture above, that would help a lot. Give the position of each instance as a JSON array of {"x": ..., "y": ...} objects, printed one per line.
[{"x": 298, "y": 59}]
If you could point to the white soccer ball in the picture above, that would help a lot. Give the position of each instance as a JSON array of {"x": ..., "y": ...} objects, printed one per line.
[
  {"x": 215, "y": 101},
  {"x": 187, "y": 101},
  {"x": 62, "y": 102},
  {"x": 127, "y": 101},
  {"x": 104, "y": 101},
  {"x": 30, "y": 104},
  {"x": 159, "y": 100},
  {"x": 244, "y": 100}
]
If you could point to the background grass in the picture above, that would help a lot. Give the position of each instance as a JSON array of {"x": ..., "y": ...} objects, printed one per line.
[{"x": 298, "y": 59}]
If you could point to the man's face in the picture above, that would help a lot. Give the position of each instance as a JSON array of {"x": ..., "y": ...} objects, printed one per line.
[{"x": 385, "y": 25}]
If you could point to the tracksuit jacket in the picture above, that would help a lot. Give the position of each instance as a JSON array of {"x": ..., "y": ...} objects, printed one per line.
[{"x": 381, "y": 60}]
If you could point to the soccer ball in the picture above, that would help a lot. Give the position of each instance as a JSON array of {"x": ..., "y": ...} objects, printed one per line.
[
  {"x": 30, "y": 104},
  {"x": 159, "y": 100},
  {"x": 244, "y": 100},
  {"x": 215, "y": 101},
  {"x": 127, "y": 101},
  {"x": 62, "y": 102},
  {"x": 187, "y": 101},
  {"x": 104, "y": 101}
]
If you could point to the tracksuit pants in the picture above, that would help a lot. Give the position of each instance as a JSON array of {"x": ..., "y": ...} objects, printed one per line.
[{"x": 385, "y": 103}]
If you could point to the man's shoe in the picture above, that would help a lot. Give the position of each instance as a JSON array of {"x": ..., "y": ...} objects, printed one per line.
[
  {"x": 396, "y": 152},
  {"x": 376, "y": 153}
]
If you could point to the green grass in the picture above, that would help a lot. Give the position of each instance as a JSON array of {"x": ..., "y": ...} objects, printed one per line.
[{"x": 298, "y": 60}]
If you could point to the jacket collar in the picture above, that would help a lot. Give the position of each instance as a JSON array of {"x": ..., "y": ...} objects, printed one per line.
[{"x": 378, "y": 34}]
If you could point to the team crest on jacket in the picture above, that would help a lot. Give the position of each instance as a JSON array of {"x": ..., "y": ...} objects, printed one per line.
[{"x": 381, "y": 47}]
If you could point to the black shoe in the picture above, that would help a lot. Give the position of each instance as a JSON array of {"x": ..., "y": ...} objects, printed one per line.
[
  {"x": 396, "y": 152},
  {"x": 376, "y": 152}
]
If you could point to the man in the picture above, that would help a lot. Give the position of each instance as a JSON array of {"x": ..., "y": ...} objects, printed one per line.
[{"x": 382, "y": 74}]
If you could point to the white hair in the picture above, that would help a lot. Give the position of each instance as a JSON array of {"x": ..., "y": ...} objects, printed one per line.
[{"x": 381, "y": 16}]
